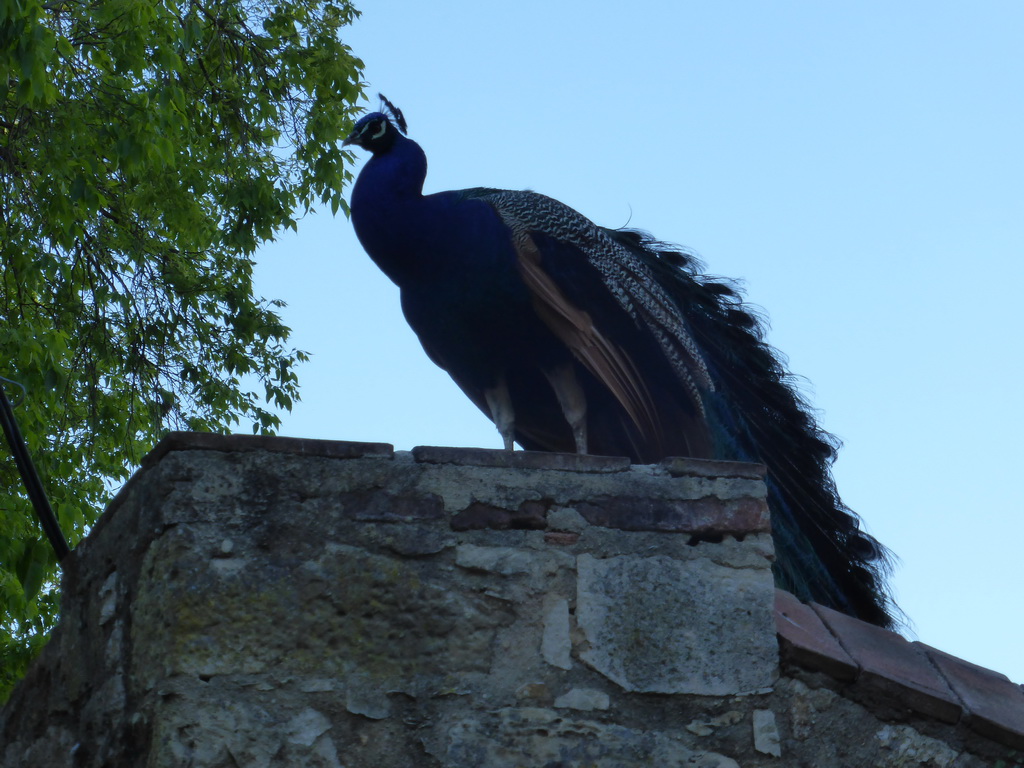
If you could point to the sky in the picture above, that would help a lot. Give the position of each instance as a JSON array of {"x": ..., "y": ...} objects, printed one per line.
[{"x": 859, "y": 166}]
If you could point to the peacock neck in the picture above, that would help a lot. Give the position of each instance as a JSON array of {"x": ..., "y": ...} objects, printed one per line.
[
  {"x": 389, "y": 190},
  {"x": 414, "y": 238}
]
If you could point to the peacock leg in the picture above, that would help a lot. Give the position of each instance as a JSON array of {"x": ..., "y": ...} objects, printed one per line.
[
  {"x": 502, "y": 414},
  {"x": 574, "y": 403}
]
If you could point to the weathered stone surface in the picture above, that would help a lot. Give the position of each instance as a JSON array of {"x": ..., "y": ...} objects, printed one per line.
[
  {"x": 207, "y": 441},
  {"x": 287, "y": 583},
  {"x": 392, "y": 616},
  {"x": 366, "y": 695},
  {"x": 584, "y": 699},
  {"x": 903, "y": 745},
  {"x": 379, "y": 506},
  {"x": 226, "y": 727},
  {"x": 556, "y": 643},
  {"x": 413, "y": 540},
  {"x": 717, "y": 643},
  {"x": 485, "y": 457},
  {"x": 566, "y": 519},
  {"x": 509, "y": 561},
  {"x": 857, "y": 737},
  {"x": 695, "y": 516},
  {"x": 515, "y": 737},
  {"x": 766, "y": 734},
  {"x": 681, "y": 466},
  {"x": 463, "y": 485},
  {"x": 536, "y": 694},
  {"x": 530, "y": 515},
  {"x": 299, "y": 603},
  {"x": 563, "y": 538}
]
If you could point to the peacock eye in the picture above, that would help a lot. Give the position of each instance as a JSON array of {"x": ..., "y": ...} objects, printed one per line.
[{"x": 381, "y": 129}]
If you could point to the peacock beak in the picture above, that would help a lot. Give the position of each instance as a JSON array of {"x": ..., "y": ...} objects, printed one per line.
[{"x": 355, "y": 137}]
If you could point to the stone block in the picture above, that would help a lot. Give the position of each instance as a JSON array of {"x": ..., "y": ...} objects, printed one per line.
[
  {"x": 485, "y": 457},
  {"x": 556, "y": 643},
  {"x": 708, "y": 515},
  {"x": 516, "y": 737},
  {"x": 583, "y": 699},
  {"x": 766, "y": 733},
  {"x": 657, "y": 625},
  {"x": 529, "y": 515},
  {"x": 681, "y": 466},
  {"x": 301, "y": 446},
  {"x": 393, "y": 619}
]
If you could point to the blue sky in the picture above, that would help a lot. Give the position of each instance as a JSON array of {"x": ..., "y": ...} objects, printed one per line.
[{"x": 860, "y": 166}]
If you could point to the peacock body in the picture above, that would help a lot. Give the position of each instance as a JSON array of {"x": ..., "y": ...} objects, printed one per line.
[{"x": 573, "y": 337}]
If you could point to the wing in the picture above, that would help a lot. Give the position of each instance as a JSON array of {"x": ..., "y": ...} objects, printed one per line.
[{"x": 584, "y": 282}]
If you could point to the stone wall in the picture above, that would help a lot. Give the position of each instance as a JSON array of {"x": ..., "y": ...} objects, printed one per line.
[{"x": 278, "y": 602}]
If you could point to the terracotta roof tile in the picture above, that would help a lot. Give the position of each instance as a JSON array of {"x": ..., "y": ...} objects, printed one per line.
[
  {"x": 806, "y": 641},
  {"x": 993, "y": 706},
  {"x": 915, "y": 675},
  {"x": 892, "y": 666}
]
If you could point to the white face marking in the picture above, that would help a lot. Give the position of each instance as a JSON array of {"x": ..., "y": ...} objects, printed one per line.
[{"x": 381, "y": 132}]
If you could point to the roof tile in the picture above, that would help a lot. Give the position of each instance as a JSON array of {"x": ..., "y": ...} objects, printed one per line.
[
  {"x": 892, "y": 666},
  {"x": 994, "y": 706},
  {"x": 806, "y": 641}
]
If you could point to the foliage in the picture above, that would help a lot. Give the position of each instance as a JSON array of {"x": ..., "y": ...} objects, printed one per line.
[{"x": 147, "y": 147}]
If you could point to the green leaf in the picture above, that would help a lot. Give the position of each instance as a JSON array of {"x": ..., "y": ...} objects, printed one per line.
[
  {"x": 33, "y": 568},
  {"x": 149, "y": 147}
]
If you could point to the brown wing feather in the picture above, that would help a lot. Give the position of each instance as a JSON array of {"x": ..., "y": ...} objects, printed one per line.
[{"x": 608, "y": 362}]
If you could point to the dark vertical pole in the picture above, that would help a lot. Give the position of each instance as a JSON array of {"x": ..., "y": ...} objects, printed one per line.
[{"x": 28, "y": 475}]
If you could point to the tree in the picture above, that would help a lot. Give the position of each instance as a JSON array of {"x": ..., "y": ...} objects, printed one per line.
[{"x": 147, "y": 147}]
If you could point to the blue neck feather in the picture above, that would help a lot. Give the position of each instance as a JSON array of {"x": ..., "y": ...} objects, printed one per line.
[{"x": 419, "y": 240}]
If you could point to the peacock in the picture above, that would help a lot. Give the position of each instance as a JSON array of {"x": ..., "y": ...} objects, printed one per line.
[{"x": 573, "y": 337}]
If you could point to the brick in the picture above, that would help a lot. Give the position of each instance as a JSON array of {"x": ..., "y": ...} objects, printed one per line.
[
  {"x": 209, "y": 441},
  {"x": 805, "y": 640},
  {"x": 993, "y": 706},
  {"x": 709, "y": 515},
  {"x": 561, "y": 538},
  {"x": 530, "y": 515},
  {"x": 892, "y": 667},
  {"x": 679, "y": 466},
  {"x": 489, "y": 457}
]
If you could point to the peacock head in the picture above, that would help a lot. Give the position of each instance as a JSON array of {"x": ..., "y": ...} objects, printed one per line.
[{"x": 376, "y": 131}]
